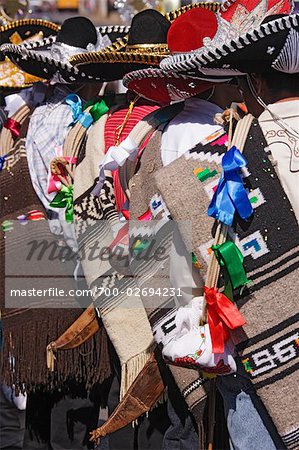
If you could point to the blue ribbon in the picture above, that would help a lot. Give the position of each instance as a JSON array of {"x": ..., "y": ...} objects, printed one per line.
[
  {"x": 230, "y": 195},
  {"x": 75, "y": 102},
  {"x": 2, "y": 161}
]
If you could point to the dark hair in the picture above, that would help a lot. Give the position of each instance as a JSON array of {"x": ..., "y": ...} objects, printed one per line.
[{"x": 282, "y": 82}]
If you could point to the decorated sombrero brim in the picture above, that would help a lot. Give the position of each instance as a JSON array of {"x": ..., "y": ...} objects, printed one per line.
[
  {"x": 166, "y": 87},
  {"x": 20, "y": 30},
  {"x": 272, "y": 47},
  {"x": 128, "y": 58},
  {"x": 11, "y": 77},
  {"x": 37, "y": 58},
  {"x": 237, "y": 20}
]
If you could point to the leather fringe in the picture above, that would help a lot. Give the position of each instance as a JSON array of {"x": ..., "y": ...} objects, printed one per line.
[
  {"x": 24, "y": 358},
  {"x": 131, "y": 369}
]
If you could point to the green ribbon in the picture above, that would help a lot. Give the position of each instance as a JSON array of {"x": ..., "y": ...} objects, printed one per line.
[
  {"x": 140, "y": 246},
  {"x": 64, "y": 199},
  {"x": 230, "y": 257},
  {"x": 194, "y": 259},
  {"x": 7, "y": 225},
  {"x": 90, "y": 102},
  {"x": 99, "y": 108}
]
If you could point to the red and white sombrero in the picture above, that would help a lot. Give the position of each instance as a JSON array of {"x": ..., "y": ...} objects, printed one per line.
[
  {"x": 186, "y": 34},
  {"x": 234, "y": 19}
]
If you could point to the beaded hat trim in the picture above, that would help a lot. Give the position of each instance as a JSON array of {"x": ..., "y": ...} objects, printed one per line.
[
  {"x": 203, "y": 60},
  {"x": 139, "y": 53}
]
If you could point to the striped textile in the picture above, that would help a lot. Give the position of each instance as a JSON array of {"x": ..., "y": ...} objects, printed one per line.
[
  {"x": 142, "y": 189},
  {"x": 114, "y": 121},
  {"x": 268, "y": 343},
  {"x": 3, "y": 116},
  {"x": 132, "y": 338},
  {"x": 28, "y": 331}
]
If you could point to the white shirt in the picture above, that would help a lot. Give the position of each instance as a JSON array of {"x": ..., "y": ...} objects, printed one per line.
[
  {"x": 284, "y": 147},
  {"x": 188, "y": 128}
]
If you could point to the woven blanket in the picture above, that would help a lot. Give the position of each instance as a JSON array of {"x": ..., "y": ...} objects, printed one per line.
[
  {"x": 144, "y": 195},
  {"x": 268, "y": 343},
  {"x": 123, "y": 315},
  {"x": 27, "y": 331}
]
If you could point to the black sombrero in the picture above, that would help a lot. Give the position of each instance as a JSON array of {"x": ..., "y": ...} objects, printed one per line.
[
  {"x": 21, "y": 30},
  {"x": 48, "y": 58},
  {"x": 272, "y": 47},
  {"x": 29, "y": 30},
  {"x": 145, "y": 46},
  {"x": 236, "y": 18}
]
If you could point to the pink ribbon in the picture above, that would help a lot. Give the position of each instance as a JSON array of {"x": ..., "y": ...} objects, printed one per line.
[{"x": 54, "y": 183}]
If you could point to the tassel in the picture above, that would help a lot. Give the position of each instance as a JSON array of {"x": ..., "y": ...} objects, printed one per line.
[
  {"x": 50, "y": 358},
  {"x": 119, "y": 129}
]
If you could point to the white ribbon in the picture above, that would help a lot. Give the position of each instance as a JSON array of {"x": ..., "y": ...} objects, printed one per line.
[
  {"x": 189, "y": 316},
  {"x": 19, "y": 401},
  {"x": 115, "y": 158},
  {"x": 13, "y": 103},
  {"x": 31, "y": 97},
  {"x": 62, "y": 52}
]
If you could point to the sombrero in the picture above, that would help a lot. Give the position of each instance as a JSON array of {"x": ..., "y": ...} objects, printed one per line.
[
  {"x": 27, "y": 30},
  {"x": 48, "y": 58},
  {"x": 272, "y": 47},
  {"x": 167, "y": 86},
  {"x": 235, "y": 18},
  {"x": 145, "y": 46},
  {"x": 13, "y": 78},
  {"x": 20, "y": 30}
]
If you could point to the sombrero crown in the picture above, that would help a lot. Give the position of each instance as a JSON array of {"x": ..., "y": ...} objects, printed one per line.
[{"x": 145, "y": 43}]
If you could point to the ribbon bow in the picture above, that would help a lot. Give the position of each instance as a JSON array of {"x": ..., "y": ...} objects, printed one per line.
[
  {"x": 64, "y": 199},
  {"x": 98, "y": 109},
  {"x": 75, "y": 103},
  {"x": 13, "y": 126},
  {"x": 230, "y": 257},
  {"x": 2, "y": 161},
  {"x": 54, "y": 182},
  {"x": 230, "y": 195},
  {"x": 115, "y": 158},
  {"x": 223, "y": 316}
]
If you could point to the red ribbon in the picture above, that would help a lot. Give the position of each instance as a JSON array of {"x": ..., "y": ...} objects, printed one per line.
[
  {"x": 13, "y": 126},
  {"x": 147, "y": 216},
  {"x": 122, "y": 237},
  {"x": 126, "y": 213},
  {"x": 223, "y": 316}
]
